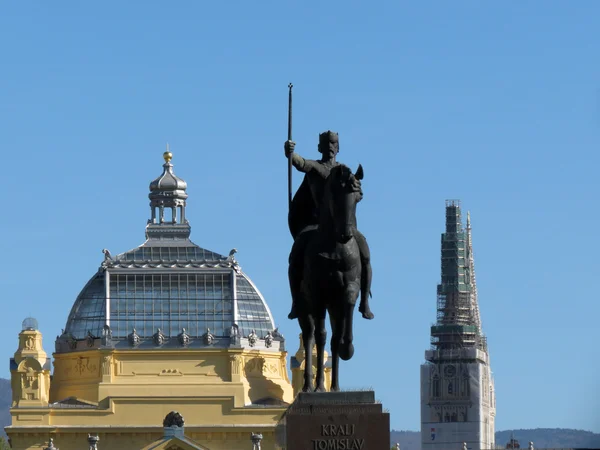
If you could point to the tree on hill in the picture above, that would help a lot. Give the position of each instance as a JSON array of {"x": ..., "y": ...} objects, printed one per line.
[{"x": 3, "y": 444}]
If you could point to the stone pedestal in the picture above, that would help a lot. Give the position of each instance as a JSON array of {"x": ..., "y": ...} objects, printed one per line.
[{"x": 335, "y": 421}]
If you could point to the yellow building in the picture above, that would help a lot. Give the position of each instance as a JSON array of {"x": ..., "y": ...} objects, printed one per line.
[{"x": 167, "y": 326}]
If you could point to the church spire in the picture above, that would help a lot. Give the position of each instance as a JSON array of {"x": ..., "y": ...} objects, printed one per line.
[{"x": 458, "y": 323}]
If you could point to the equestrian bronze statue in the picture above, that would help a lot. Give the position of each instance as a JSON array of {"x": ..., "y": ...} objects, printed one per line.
[{"x": 329, "y": 263}]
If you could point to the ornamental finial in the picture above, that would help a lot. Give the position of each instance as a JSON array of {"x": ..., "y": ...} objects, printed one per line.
[{"x": 168, "y": 155}]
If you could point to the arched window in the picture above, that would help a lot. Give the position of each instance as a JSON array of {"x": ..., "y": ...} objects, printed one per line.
[{"x": 450, "y": 388}]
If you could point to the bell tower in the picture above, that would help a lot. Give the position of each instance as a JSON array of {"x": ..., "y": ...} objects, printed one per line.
[{"x": 457, "y": 390}]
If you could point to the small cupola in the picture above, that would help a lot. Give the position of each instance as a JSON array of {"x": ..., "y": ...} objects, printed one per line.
[{"x": 167, "y": 205}]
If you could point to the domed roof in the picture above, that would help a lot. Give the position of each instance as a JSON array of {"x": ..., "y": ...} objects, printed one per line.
[
  {"x": 168, "y": 181},
  {"x": 170, "y": 292}
]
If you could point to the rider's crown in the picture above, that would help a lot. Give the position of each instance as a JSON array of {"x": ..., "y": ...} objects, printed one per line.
[{"x": 327, "y": 136}]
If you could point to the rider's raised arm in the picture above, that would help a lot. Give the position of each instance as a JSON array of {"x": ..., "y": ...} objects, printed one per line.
[{"x": 304, "y": 165}]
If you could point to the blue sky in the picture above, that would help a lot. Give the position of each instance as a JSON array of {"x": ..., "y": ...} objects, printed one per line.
[{"x": 493, "y": 103}]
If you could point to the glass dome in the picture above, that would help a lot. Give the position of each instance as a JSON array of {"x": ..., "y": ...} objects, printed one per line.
[
  {"x": 169, "y": 283},
  {"x": 170, "y": 288},
  {"x": 30, "y": 323}
]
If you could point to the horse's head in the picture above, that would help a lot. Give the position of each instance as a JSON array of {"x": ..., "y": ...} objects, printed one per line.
[{"x": 342, "y": 192}]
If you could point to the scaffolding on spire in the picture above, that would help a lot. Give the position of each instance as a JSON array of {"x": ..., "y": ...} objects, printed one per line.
[
  {"x": 474, "y": 301},
  {"x": 458, "y": 320}
]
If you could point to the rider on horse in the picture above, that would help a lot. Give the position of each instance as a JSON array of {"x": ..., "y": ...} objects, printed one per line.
[{"x": 304, "y": 216}]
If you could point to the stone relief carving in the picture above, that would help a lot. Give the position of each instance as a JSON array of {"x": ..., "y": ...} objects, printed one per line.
[
  {"x": 236, "y": 364},
  {"x": 29, "y": 385},
  {"x": 83, "y": 366},
  {"x": 254, "y": 365},
  {"x": 30, "y": 343}
]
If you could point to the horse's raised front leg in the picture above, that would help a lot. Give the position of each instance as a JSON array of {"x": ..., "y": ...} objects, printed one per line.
[
  {"x": 320, "y": 340},
  {"x": 308, "y": 330}
]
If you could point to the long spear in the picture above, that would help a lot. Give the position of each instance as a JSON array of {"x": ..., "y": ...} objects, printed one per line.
[{"x": 290, "y": 86}]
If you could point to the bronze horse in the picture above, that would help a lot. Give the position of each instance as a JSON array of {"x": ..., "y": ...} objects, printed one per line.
[{"x": 331, "y": 279}]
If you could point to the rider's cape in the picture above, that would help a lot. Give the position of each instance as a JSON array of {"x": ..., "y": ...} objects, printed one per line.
[{"x": 302, "y": 210}]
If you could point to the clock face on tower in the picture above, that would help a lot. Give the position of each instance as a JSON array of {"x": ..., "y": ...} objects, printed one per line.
[{"x": 450, "y": 371}]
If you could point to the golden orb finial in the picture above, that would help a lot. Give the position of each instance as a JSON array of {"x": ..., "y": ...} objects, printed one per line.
[{"x": 168, "y": 155}]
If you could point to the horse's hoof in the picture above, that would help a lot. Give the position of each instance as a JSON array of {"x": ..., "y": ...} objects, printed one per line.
[
  {"x": 321, "y": 389},
  {"x": 366, "y": 312},
  {"x": 346, "y": 351},
  {"x": 293, "y": 315},
  {"x": 306, "y": 389},
  {"x": 335, "y": 389},
  {"x": 368, "y": 315}
]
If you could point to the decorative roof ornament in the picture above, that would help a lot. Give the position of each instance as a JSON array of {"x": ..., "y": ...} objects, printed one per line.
[
  {"x": 173, "y": 419},
  {"x": 71, "y": 341},
  {"x": 233, "y": 262},
  {"x": 231, "y": 257},
  {"x": 51, "y": 445},
  {"x": 256, "y": 438},
  {"x": 208, "y": 338},
  {"x": 168, "y": 156},
  {"x": 268, "y": 340},
  {"x": 31, "y": 324},
  {"x": 134, "y": 338},
  {"x": 90, "y": 339},
  {"x": 252, "y": 338},
  {"x": 93, "y": 442},
  {"x": 106, "y": 336},
  {"x": 108, "y": 259},
  {"x": 184, "y": 338},
  {"x": 234, "y": 335},
  {"x": 159, "y": 338},
  {"x": 277, "y": 334}
]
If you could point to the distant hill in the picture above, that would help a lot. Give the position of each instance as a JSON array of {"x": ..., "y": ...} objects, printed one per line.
[
  {"x": 5, "y": 401},
  {"x": 551, "y": 438},
  {"x": 411, "y": 440},
  {"x": 541, "y": 438}
]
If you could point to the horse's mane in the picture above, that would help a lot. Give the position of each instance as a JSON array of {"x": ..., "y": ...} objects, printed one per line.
[
  {"x": 343, "y": 174},
  {"x": 340, "y": 171}
]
